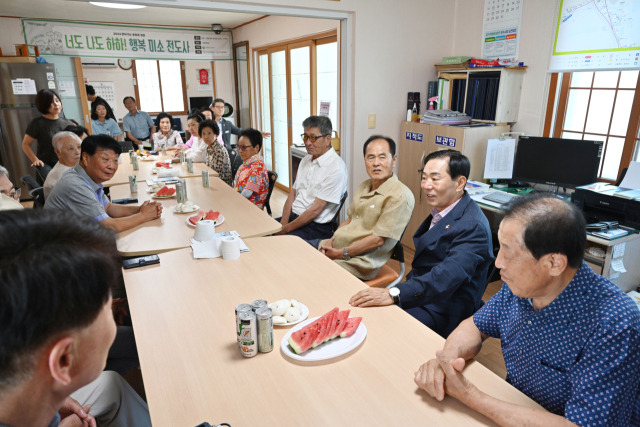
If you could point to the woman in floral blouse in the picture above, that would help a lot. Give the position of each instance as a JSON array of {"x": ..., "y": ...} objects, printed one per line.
[
  {"x": 217, "y": 157},
  {"x": 251, "y": 179},
  {"x": 166, "y": 136}
]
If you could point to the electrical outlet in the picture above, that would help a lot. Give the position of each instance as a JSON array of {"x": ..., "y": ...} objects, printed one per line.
[{"x": 372, "y": 121}]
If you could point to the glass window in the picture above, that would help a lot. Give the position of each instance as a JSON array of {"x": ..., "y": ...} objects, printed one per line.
[{"x": 160, "y": 86}]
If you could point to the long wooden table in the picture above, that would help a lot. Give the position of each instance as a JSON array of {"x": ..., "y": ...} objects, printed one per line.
[
  {"x": 170, "y": 231},
  {"x": 125, "y": 168},
  {"x": 183, "y": 317}
]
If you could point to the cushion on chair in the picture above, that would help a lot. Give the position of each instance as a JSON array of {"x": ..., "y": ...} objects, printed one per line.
[{"x": 385, "y": 276}]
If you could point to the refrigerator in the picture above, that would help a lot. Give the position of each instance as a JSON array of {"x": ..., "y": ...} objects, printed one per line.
[{"x": 17, "y": 109}]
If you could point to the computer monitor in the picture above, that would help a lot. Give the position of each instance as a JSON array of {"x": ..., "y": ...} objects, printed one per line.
[
  {"x": 199, "y": 102},
  {"x": 557, "y": 161}
]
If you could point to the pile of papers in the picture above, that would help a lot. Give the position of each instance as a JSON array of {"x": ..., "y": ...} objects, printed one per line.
[{"x": 444, "y": 117}]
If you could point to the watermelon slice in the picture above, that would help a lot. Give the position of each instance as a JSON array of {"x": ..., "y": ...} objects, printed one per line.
[
  {"x": 341, "y": 322},
  {"x": 325, "y": 323},
  {"x": 332, "y": 326},
  {"x": 211, "y": 215},
  {"x": 351, "y": 326},
  {"x": 302, "y": 340},
  {"x": 166, "y": 191},
  {"x": 197, "y": 217}
]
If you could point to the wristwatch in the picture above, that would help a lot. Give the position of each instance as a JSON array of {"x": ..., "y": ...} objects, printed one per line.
[
  {"x": 345, "y": 254},
  {"x": 395, "y": 294}
]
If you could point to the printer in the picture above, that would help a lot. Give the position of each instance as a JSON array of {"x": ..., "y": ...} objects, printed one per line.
[{"x": 598, "y": 207}]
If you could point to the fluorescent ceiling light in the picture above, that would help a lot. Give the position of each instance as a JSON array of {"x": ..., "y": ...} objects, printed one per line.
[{"x": 117, "y": 5}]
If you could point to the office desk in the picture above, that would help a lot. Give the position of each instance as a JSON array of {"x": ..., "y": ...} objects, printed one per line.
[
  {"x": 183, "y": 317},
  {"x": 170, "y": 232},
  {"x": 125, "y": 168},
  {"x": 629, "y": 245}
]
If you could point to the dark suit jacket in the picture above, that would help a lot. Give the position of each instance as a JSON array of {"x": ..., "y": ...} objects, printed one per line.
[
  {"x": 449, "y": 270},
  {"x": 227, "y": 128}
]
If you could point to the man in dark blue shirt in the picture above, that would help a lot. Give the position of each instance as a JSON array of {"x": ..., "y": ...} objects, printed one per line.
[{"x": 570, "y": 338}]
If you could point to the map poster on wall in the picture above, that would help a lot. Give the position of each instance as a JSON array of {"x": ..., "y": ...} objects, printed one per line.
[
  {"x": 596, "y": 35},
  {"x": 501, "y": 29},
  {"x": 68, "y": 38}
]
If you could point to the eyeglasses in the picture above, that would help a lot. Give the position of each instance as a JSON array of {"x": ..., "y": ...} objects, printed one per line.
[
  {"x": 311, "y": 138},
  {"x": 14, "y": 194},
  {"x": 243, "y": 147}
]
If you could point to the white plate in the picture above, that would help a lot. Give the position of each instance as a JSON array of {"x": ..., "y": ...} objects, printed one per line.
[
  {"x": 195, "y": 208},
  {"x": 148, "y": 159},
  {"x": 217, "y": 222},
  {"x": 304, "y": 313},
  {"x": 328, "y": 350},
  {"x": 155, "y": 196}
]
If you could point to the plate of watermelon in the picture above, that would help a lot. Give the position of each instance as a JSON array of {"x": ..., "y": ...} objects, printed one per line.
[
  {"x": 164, "y": 193},
  {"x": 324, "y": 337},
  {"x": 216, "y": 217}
]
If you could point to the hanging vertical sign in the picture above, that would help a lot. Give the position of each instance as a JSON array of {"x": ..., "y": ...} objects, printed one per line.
[
  {"x": 501, "y": 29},
  {"x": 204, "y": 77},
  {"x": 68, "y": 38}
]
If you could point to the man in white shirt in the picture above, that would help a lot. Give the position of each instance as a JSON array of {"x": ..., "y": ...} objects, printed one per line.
[
  {"x": 321, "y": 181},
  {"x": 67, "y": 146}
]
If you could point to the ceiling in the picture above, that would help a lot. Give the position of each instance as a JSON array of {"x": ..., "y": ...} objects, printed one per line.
[{"x": 83, "y": 11}]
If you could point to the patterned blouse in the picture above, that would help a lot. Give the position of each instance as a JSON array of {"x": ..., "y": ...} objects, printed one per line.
[
  {"x": 252, "y": 175},
  {"x": 217, "y": 158},
  {"x": 172, "y": 139}
]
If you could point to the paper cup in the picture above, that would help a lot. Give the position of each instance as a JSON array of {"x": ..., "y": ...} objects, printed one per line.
[
  {"x": 230, "y": 248},
  {"x": 205, "y": 230}
]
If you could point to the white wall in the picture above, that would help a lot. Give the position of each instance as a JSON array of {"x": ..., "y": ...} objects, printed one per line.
[
  {"x": 395, "y": 45},
  {"x": 10, "y": 35},
  {"x": 536, "y": 43}
]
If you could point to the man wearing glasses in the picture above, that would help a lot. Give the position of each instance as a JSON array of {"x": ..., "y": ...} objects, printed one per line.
[
  {"x": 9, "y": 195},
  {"x": 226, "y": 127},
  {"x": 321, "y": 181}
]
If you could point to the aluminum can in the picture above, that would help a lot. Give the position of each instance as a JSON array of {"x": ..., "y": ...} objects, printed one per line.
[
  {"x": 248, "y": 334},
  {"x": 240, "y": 308},
  {"x": 181, "y": 191},
  {"x": 133, "y": 184},
  {"x": 264, "y": 319},
  {"x": 136, "y": 166},
  {"x": 131, "y": 154},
  {"x": 256, "y": 304},
  {"x": 182, "y": 157},
  {"x": 190, "y": 165},
  {"x": 205, "y": 178}
]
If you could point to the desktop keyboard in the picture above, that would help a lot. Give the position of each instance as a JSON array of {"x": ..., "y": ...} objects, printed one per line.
[{"x": 499, "y": 197}]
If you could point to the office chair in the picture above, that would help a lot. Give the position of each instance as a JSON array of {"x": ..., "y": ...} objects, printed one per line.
[
  {"x": 273, "y": 177},
  {"x": 235, "y": 160},
  {"x": 30, "y": 182},
  {"x": 126, "y": 146},
  {"x": 387, "y": 277},
  {"x": 335, "y": 221},
  {"x": 38, "y": 197}
]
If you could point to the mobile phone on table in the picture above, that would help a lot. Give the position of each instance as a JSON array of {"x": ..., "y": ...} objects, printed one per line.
[{"x": 140, "y": 261}]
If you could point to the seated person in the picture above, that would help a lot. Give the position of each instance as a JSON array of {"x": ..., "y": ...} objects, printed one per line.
[
  {"x": 216, "y": 156},
  {"x": 251, "y": 179},
  {"x": 453, "y": 251},
  {"x": 315, "y": 196},
  {"x": 137, "y": 124},
  {"x": 93, "y": 98},
  {"x": 9, "y": 195},
  {"x": 113, "y": 403},
  {"x": 49, "y": 350},
  {"x": 227, "y": 128},
  {"x": 206, "y": 112},
  {"x": 380, "y": 211},
  {"x": 570, "y": 338},
  {"x": 80, "y": 190},
  {"x": 166, "y": 137},
  {"x": 195, "y": 148},
  {"x": 67, "y": 146},
  {"x": 100, "y": 123}
]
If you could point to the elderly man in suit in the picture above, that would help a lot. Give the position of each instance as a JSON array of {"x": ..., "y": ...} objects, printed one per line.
[{"x": 453, "y": 251}]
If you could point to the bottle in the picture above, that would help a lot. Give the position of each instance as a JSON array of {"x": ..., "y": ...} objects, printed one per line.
[{"x": 414, "y": 113}]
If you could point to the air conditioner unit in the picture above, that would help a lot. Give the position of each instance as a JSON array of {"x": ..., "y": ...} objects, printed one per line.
[{"x": 99, "y": 62}]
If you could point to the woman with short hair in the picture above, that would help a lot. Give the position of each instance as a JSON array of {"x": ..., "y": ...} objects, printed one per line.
[{"x": 251, "y": 179}]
